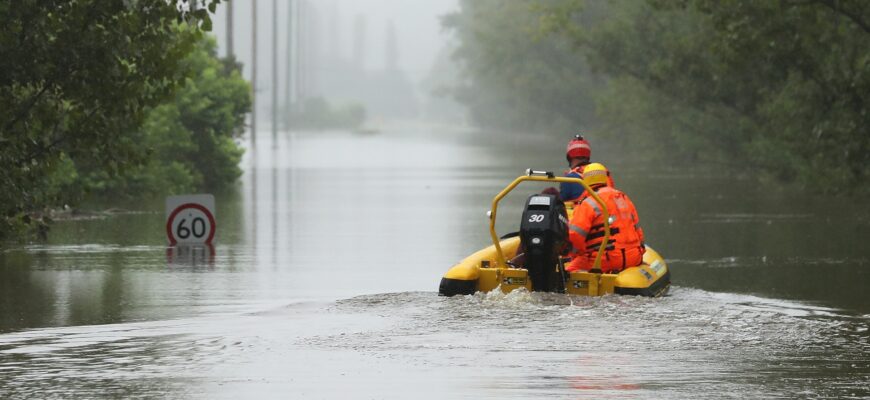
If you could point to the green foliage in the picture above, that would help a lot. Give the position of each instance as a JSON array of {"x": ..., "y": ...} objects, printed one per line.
[
  {"x": 774, "y": 88},
  {"x": 780, "y": 86},
  {"x": 191, "y": 140},
  {"x": 658, "y": 71},
  {"x": 75, "y": 78},
  {"x": 515, "y": 77}
]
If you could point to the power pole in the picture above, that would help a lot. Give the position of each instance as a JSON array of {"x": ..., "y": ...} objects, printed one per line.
[
  {"x": 254, "y": 73},
  {"x": 359, "y": 42},
  {"x": 288, "y": 96},
  {"x": 391, "y": 55},
  {"x": 230, "y": 52},
  {"x": 274, "y": 88},
  {"x": 302, "y": 51}
]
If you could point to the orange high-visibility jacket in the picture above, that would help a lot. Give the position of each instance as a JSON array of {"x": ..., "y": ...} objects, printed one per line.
[{"x": 586, "y": 232}]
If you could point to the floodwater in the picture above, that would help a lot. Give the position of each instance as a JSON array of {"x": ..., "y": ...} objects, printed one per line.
[{"x": 323, "y": 284}]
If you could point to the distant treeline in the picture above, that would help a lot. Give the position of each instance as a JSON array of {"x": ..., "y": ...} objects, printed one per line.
[
  {"x": 318, "y": 113},
  {"x": 778, "y": 88},
  {"x": 111, "y": 100}
]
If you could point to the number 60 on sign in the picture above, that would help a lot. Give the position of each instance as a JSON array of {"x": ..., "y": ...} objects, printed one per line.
[{"x": 190, "y": 219}]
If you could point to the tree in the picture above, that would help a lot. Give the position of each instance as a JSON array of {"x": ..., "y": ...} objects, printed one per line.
[
  {"x": 190, "y": 140},
  {"x": 75, "y": 78},
  {"x": 775, "y": 88},
  {"x": 779, "y": 86},
  {"x": 516, "y": 78}
]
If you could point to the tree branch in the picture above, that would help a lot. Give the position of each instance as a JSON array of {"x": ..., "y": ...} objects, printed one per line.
[
  {"x": 856, "y": 18},
  {"x": 26, "y": 109},
  {"x": 42, "y": 149},
  {"x": 68, "y": 71}
]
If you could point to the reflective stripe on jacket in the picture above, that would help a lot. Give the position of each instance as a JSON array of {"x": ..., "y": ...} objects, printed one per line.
[{"x": 586, "y": 232}]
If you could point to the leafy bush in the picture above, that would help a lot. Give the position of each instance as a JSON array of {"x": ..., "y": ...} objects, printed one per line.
[
  {"x": 76, "y": 81},
  {"x": 191, "y": 140}
]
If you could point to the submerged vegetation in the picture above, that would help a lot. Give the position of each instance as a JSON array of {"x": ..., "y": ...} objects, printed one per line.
[
  {"x": 778, "y": 89},
  {"x": 113, "y": 99}
]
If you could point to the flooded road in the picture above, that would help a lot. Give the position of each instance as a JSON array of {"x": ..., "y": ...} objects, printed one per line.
[{"x": 323, "y": 284}]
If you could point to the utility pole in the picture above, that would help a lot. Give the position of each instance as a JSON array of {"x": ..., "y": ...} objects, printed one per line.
[
  {"x": 288, "y": 96},
  {"x": 359, "y": 42},
  {"x": 230, "y": 52},
  {"x": 301, "y": 52},
  {"x": 254, "y": 73},
  {"x": 274, "y": 88},
  {"x": 391, "y": 55}
]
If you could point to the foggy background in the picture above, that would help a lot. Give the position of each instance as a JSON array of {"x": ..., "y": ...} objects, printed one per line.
[{"x": 377, "y": 53}]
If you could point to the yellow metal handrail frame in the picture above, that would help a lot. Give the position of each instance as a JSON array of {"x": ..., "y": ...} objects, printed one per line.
[{"x": 501, "y": 262}]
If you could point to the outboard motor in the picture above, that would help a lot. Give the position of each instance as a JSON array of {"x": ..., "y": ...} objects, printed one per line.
[{"x": 543, "y": 234}]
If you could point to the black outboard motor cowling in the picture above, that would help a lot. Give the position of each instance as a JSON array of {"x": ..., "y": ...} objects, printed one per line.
[{"x": 543, "y": 234}]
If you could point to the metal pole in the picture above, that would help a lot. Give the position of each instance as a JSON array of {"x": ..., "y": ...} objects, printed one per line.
[
  {"x": 303, "y": 54},
  {"x": 288, "y": 96},
  {"x": 302, "y": 51},
  {"x": 274, "y": 88},
  {"x": 230, "y": 51},
  {"x": 254, "y": 73}
]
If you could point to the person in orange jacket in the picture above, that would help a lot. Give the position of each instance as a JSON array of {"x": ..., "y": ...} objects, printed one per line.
[
  {"x": 578, "y": 154},
  {"x": 586, "y": 228}
]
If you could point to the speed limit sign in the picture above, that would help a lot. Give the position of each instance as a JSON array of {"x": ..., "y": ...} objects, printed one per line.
[{"x": 190, "y": 219}]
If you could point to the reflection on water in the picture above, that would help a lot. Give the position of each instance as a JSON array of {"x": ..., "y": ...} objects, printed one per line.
[{"x": 322, "y": 283}]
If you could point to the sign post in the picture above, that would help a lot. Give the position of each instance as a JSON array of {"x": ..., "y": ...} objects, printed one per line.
[{"x": 190, "y": 219}]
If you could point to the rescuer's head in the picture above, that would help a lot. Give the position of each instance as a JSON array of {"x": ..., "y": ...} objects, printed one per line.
[
  {"x": 578, "y": 152},
  {"x": 595, "y": 175}
]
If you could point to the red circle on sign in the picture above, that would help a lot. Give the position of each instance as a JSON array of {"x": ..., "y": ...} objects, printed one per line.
[{"x": 200, "y": 207}]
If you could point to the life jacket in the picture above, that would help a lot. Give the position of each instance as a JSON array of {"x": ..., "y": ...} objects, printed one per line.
[{"x": 625, "y": 247}]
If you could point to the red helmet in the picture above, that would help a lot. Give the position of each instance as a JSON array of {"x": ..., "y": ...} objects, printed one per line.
[{"x": 578, "y": 147}]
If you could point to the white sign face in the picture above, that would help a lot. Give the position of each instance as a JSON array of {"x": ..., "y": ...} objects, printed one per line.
[{"x": 190, "y": 219}]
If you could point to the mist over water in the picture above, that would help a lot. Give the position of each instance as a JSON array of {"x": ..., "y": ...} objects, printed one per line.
[{"x": 387, "y": 56}]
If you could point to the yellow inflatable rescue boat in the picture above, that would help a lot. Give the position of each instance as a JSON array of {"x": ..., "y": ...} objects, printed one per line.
[{"x": 530, "y": 257}]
